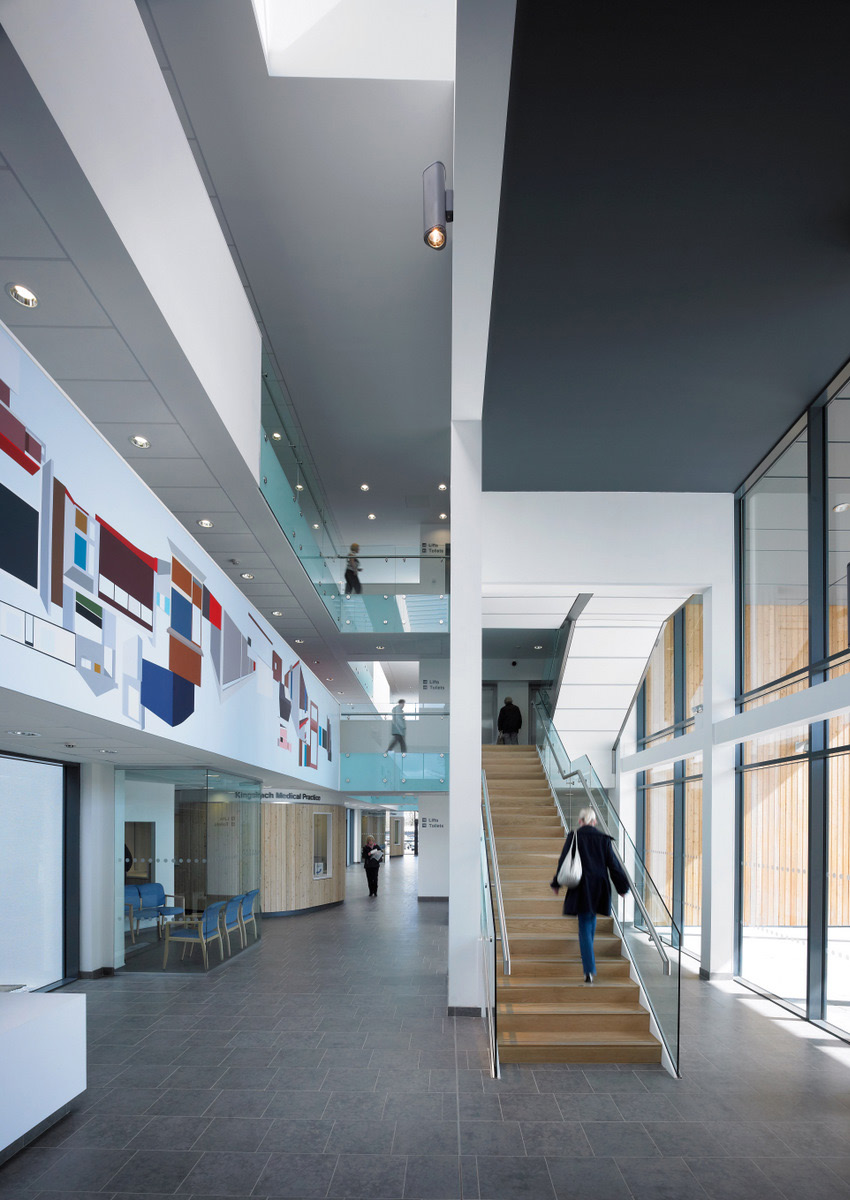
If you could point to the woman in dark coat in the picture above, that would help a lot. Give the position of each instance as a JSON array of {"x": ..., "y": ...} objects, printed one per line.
[
  {"x": 592, "y": 896},
  {"x": 372, "y": 863}
]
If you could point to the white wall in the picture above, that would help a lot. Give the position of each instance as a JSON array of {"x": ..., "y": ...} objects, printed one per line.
[
  {"x": 135, "y": 155},
  {"x": 433, "y": 872},
  {"x": 99, "y": 905}
]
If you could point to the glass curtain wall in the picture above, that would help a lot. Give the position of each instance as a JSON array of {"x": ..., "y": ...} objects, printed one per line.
[
  {"x": 794, "y": 786},
  {"x": 669, "y": 798}
]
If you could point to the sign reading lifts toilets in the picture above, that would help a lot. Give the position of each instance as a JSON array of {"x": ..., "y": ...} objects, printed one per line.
[{"x": 434, "y": 683}]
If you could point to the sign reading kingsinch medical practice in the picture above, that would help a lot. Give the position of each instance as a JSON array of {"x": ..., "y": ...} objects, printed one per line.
[{"x": 109, "y": 607}]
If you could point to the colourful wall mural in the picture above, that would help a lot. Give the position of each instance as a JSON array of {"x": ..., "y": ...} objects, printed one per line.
[{"x": 100, "y": 586}]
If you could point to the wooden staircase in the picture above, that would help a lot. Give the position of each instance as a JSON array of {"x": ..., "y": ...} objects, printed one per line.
[{"x": 545, "y": 1010}]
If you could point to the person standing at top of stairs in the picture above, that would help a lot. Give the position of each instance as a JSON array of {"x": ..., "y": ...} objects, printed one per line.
[
  {"x": 510, "y": 722},
  {"x": 592, "y": 895}
]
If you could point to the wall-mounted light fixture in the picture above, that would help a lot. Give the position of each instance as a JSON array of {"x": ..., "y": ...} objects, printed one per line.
[{"x": 437, "y": 205}]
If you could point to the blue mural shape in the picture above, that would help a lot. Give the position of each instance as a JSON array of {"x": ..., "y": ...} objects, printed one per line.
[{"x": 167, "y": 695}]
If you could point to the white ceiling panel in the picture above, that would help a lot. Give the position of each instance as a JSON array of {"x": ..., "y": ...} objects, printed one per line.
[
  {"x": 611, "y": 642},
  {"x": 632, "y": 606},
  {"x": 522, "y": 621},
  {"x": 623, "y": 671},
  {"x": 161, "y": 472},
  {"x": 224, "y": 523},
  {"x": 242, "y": 545},
  {"x": 594, "y": 695},
  {"x": 23, "y": 231},
  {"x": 63, "y": 297},
  {"x": 68, "y": 354},
  {"x": 120, "y": 400},
  {"x": 188, "y": 499}
]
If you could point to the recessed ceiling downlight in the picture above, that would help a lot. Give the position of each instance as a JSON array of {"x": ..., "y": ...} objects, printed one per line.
[
  {"x": 277, "y": 436},
  {"x": 277, "y": 612},
  {"x": 370, "y": 516},
  {"x": 441, "y": 487},
  {"x": 246, "y": 575},
  {"x": 444, "y": 516},
  {"x": 364, "y": 487},
  {"x": 22, "y": 295},
  {"x": 840, "y": 507},
  {"x": 206, "y": 523},
  {"x": 141, "y": 443},
  {"x": 22, "y": 733}
]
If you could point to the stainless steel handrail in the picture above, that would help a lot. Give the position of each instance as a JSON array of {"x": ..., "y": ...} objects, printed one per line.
[
  {"x": 503, "y": 927},
  {"x": 488, "y": 938}
]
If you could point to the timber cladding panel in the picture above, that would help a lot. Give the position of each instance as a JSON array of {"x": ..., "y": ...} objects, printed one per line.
[{"x": 287, "y": 863}]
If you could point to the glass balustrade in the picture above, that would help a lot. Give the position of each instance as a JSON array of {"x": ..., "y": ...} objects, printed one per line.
[
  {"x": 646, "y": 924},
  {"x": 367, "y": 765},
  {"x": 404, "y": 589}
]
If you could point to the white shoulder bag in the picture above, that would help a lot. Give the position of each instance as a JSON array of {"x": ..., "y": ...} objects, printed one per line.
[{"x": 569, "y": 873}]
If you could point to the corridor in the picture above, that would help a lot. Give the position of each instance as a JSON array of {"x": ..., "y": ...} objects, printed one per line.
[{"x": 321, "y": 1063}]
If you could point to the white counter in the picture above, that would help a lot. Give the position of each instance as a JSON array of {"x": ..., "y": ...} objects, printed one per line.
[{"x": 42, "y": 1059}]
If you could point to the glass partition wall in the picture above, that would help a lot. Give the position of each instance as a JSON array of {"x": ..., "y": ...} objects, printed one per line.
[
  {"x": 197, "y": 832},
  {"x": 794, "y": 785},
  {"x": 669, "y": 798}
]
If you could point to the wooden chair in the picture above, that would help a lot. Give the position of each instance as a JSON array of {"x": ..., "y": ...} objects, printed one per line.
[{"x": 193, "y": 931}]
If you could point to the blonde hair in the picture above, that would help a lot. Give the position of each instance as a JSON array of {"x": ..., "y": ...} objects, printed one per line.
[{"x": 587, "y": 816}]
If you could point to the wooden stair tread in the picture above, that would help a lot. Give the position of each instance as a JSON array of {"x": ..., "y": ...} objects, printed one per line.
[
  {"x": 611, "y": 1008},
  {"x": 543, "y": 1037}
]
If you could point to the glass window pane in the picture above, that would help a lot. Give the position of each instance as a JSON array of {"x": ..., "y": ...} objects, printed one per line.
[
  {"x": 838, "y": 895},
  {"x": 784, "y": 743},
  {"x": 659, "y": 684},
  {"x": 838, "y": 494},
  {"x": 659, "y": 840},
  {"x": 692, "y": 917},
  {"x": 776, "y": 618},
  {"x": 774, "y": 902},
  {"x": 693, "y": 656}
]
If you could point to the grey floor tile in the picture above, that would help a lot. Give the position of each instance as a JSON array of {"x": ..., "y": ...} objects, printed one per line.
[
  {"x": 159, "y": 1171},
  {"x": 433, "y": 1177},
  {"x": 299, "y": 1079},
  {"x": 21, "y": 1172},
  {"x": 126, "y": 1100},
  {"x": 164, "y": 1133},
  {"x": 233, "y": 1133},
  {"x": 514, "y": 1179},
  {"x": 480, "y": 1108},
  {"x": 361, "y": 1175},
  {"x": 491, "y": 1137},
  {"x": 194, "y": 1077},
  {"x": 351, "y": 1079},
  {"x": 619, "y": 1139},
  {"x": 242, "y": 1078},
  {"x": 642, "y": 1107},
  {"x": 341, "y": 1105},
  {"x": 692, "y": 1138},
  {"x": 522, "y": 1107},
  {"x": 808, "y": 1177},
  {"x": 555, "y": 1139},
  {"x": 615, "y": 1081},
  {"x": 589, "y": 1179},
  {"x": 415, "y": 1106},
  {"x": 297, "y": 1137},
  {"x": 351, "y": 1135},
  {"x": 108, "y": 1132},
  {"x": 296, "y": 1175},
  {"x": 425, "y": 1137},
  {"x": 733, "y": 1178},
  {"x": 225, "y": 1173},
  {"x": 294, "y": 1104},
  {"x": 83, "y": 1170},
  {"x": 588, "y": 1107},
  {"x": 660, "y": 1179}
]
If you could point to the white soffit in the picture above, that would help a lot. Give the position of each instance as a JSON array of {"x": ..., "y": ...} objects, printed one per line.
[{"x": 358, "y": 39}]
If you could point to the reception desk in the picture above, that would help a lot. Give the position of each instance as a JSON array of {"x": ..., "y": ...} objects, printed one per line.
[{"x": 42, "y": 1063}]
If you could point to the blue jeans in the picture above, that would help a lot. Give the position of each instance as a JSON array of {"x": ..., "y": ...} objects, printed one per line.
[{"x": 586, "y": 931}]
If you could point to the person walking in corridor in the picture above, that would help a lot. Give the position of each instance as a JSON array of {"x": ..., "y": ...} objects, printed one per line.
[
  {"x": 372, "y": 856},
  {"x": 398, "y": 728},
  {"x": 591, "y": 897},
  {"x": 510, "y": 722},
  {"x": 352, "y": 571}
]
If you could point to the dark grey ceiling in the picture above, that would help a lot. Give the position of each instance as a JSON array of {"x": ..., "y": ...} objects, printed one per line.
[{"x": 672, "y": 279}]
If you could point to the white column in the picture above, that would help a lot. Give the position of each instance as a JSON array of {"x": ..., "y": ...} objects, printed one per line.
[
  {"x": 465, "y": 990},
  {"x": 97, "y": 866},
  {"x": 718, "y": 788}
]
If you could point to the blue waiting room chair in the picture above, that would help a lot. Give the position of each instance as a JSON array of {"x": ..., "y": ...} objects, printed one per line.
[
  {"x": 247, "y": 914},
  {"x": 194, "y": 931},
  {"x": 232, "y": 920},
  {"x": 146, "y": 900}
]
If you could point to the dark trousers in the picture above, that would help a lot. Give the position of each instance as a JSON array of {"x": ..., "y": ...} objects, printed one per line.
[
  {"x": 372, "y": 879},
  {"x": 402, "y": 744},
  {"x": 352, "y": 583}
]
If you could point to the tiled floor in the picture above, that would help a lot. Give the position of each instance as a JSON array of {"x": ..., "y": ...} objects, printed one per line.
[{"x": 322, "y": 1064}]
